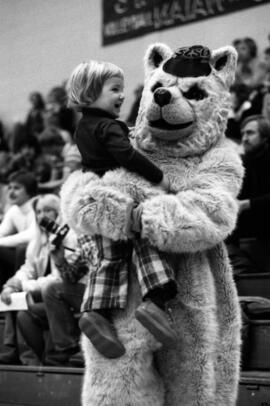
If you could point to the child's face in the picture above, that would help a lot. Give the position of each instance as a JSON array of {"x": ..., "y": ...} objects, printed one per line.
[
  {"x": 17, "y": 193},
  {"x": 111, "y": 97}
]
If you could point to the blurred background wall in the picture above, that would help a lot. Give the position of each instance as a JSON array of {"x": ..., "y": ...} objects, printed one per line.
[{"x": 41, "y": 41}]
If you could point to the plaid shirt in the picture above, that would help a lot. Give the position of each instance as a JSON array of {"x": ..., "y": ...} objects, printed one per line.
[{"x": 109, "y": 263}]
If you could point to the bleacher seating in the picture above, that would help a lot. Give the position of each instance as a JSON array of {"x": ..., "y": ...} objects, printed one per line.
[
  {"x": 38, "y": 386},
  {"x": 254, "y": 294}
]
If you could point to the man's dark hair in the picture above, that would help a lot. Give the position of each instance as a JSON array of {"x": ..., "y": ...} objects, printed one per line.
[
  {"x": 263, "y": 125},
  {"x": 27, "y": 179}
]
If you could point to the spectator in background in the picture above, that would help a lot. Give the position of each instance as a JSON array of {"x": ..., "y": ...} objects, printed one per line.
[
  {"x": 4, "y": 159},
  {"x": 266, "y": 79},
  {"x": 249, "y": 71},
  {"x": 55, "y": 272},
  {"x": 35, "y": 118},
  {"x": 52, "y": 145},
  {"x": 132, "y": 116},
  {"x": 16, "y": 228},
  {"x": 35, "y": 266},
  {"x": 3, "y": 142},
  {"x": 266, "y": 85},
  {"x": 62, "y": 299},
  {"x": 254, "y": 199},
  {"x": 240, "y": 109},
  {"x": 266, "y": 106},
  {"x": 64, "y": 159},
  {"x": 72, "y": 160},
  {"x": 58, "y": 114},
  {"x": 27, "y": 156},
  {"x": 17, "y": 133}
]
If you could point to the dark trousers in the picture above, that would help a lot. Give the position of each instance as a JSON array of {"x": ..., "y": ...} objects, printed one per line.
[
  {"x": 49, "y": 325},
  {"x": 14, "y": 349},
  {"x": 35, "y": 331},
  {"x": 62, "y": 300},
  {"x": 11, "y": 260}
]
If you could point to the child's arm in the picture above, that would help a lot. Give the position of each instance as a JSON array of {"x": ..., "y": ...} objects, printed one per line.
[{"x": 118, "y": 144}]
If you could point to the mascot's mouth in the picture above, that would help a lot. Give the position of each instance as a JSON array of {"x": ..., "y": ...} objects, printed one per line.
[{"x": 164, "y": 125}]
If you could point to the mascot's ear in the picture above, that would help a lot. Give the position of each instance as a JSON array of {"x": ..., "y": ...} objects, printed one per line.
[
  {"x": 224, "y": 61},
  {"x": 155, "y": 55}
]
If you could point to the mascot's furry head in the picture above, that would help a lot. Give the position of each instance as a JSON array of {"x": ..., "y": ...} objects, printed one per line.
[{"x": 186, "y": 100}]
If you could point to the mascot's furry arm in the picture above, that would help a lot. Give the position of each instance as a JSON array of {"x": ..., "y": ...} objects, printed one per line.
[
  {"x": 92, "y": 207},
  {"x": 196, "y": 218},
  {"x": 203, "y": 214}
]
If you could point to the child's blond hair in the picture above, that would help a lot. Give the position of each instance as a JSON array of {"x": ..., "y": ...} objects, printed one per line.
[{"x": 87, "y": 79}]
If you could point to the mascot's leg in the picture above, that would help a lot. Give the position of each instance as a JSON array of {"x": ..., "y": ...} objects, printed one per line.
[
  {"x": 130, "y": 380},
  {"x": 188, "y": 368},
  {"x": 229, "y": 321}
]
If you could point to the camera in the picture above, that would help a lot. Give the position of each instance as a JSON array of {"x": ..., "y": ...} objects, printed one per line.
[{"x": 52, "y": 227}]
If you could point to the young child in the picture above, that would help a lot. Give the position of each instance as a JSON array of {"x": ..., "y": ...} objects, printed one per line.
[{"x": 97, "y": 90}]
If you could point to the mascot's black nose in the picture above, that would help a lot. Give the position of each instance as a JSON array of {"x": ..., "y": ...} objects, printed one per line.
[{"x": 162, "y": 97}]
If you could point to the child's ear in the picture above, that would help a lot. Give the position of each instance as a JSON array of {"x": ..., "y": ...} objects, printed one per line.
[
  {"x": 155, "y": 55},
  {"x": 224, "y": 61}
]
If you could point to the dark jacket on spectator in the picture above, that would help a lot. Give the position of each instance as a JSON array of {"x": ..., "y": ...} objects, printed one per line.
[{"x": 255, "y": 222}]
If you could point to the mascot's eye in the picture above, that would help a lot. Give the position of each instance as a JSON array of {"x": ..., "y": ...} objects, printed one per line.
[
  {"x": 156, "y": 86},
  {"x": 195, "y": 93}
]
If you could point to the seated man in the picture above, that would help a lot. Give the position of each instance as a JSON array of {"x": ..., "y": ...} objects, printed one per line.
[
  {"x": 17, "y": 225},
  {"x": 254, "y": 199},
  {"x": 52, "y": 266},
  {"x": 54, "y": 312}
]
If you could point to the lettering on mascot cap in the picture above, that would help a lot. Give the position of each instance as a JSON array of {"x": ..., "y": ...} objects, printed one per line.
[
  {"x": 196, "y": 51},
  {"x": 189, "y": 62}
]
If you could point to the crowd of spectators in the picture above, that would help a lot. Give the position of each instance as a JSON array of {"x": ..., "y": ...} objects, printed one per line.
[
  {"x": 35, "y": 159},
  {"x": 250, "y": 91},
  {"x": 249, "y": 127}
]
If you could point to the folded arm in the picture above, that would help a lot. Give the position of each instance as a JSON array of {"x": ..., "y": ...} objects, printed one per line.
[{"x": 200, "y": 216}]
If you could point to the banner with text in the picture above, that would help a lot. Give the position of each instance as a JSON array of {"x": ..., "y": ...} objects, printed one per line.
[{"x": 125, "y": 19}]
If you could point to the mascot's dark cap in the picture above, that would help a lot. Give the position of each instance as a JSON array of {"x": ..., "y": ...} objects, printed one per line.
[{"x": 189, "y": 62}]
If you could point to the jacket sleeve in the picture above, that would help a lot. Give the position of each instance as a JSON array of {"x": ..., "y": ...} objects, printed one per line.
[
  {"x": 14, "y": 240},
  {"x": 7, "y": 227},
  {"x": 9, "y": 237},
  {"x": 117, "y": 143}
]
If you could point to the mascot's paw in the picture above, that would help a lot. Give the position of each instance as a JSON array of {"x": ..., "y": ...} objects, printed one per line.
[{"x": 106, "y": 212}]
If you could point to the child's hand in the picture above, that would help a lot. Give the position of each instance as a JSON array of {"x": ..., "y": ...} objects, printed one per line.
[{"x": 165, "y": 183}]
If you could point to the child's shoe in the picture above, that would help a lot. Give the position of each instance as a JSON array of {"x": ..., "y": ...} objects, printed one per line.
[
  {"x": 102, "y": 335},
  {"x": 154, "y": 319}
]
